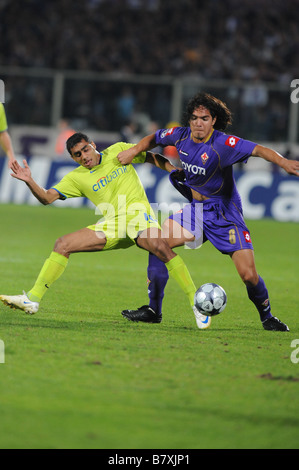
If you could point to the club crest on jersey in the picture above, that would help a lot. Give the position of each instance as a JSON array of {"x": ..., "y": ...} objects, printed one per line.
[
  {"x": 204, "y": 157},
  {"x": 232, "y": 141}
]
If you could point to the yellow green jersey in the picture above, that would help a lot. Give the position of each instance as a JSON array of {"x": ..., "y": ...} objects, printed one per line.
[
  {"x": 3, "y": 122},
  {"x": 118, "y": 194},
  {"x": 106, "y": 181}
]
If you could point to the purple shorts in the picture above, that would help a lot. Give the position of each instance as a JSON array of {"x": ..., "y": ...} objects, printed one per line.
[{"x": 222, "y": 224}]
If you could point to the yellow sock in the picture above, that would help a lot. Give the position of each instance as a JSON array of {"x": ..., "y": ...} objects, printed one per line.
[
  {"x": 178, "y": 270},
  {"x": 52, "y": 269}
]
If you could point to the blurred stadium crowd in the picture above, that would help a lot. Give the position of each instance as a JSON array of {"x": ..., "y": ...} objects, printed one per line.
[
  {"x": 210, "y": 38},
  {"x": 253, "y": 43}
]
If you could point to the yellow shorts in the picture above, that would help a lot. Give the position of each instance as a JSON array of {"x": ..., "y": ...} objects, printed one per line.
[{"x": 121, "y": 231}]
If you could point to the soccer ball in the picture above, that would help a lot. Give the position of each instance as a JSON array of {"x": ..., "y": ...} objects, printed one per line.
[{"x": 210, "y": 299}]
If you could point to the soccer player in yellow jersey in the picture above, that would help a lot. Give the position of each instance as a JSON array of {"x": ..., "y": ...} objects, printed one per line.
[
  {"x": 5, "y": 140},
  {"x": 117, "y": 192}
]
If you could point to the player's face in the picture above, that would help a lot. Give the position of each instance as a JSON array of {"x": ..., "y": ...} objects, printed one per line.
[
  {"x": 85, "y": 154},
  {"x": 201, "y": 124}
]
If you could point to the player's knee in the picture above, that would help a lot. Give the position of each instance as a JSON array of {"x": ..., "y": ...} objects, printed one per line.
[
  {"x": 161, "y": 249},
  {"x": 249, "y": 276},
  {"x": 61, "y": 246}
]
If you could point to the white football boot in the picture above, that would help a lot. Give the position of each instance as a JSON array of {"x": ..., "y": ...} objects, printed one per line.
[
  {"x": 202, "y": 321},
  {"x": 20, "y": 301}
]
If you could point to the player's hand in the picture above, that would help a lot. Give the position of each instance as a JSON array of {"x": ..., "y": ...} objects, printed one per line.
[
  {"x": 10, "y": 162},
  {"x": 125, "y": 157},
  {"x": 291, "y": 167},
  {"x": 19, "y": 172}
]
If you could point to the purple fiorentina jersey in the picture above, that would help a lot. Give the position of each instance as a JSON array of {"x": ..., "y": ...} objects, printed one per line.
[{"x": 208, "y": 165}]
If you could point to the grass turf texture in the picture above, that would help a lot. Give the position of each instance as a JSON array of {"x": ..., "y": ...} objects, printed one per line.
[{"x": 78, "y": 375}]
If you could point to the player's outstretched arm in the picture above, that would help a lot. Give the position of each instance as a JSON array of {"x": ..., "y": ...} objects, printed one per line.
[
  {"x": 290, "y": 166},
  {"x": 44, "y": 196},
  {"x": 126, "y": 157}
]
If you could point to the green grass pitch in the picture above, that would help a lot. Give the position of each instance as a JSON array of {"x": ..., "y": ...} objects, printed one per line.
[{"x": 78, "y": 375}]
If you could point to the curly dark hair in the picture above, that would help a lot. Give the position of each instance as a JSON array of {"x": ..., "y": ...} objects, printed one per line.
[{"x": 216, "y": 107}]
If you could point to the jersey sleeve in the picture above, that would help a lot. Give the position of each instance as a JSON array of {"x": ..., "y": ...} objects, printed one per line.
[
  {"x": 3, "y": 121},
  {"x": 140, "y": 158},
  {"x": 67, "y": 188},
  {"x": 170, "y": 136},
  {"x": 233, "y": 149}
]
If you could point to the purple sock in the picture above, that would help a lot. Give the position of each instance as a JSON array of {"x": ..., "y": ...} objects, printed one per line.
[
  {"x": 157, "y": 274},
  {"x": 259, "y": 296}
]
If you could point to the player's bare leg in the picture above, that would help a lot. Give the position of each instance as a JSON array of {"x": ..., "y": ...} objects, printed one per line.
[
  {"x": 151, "y": 240},
  {"x": 175, "y": 234},
  {"x": 245, "y": 265},
  {"x": 84, "y": 240}
]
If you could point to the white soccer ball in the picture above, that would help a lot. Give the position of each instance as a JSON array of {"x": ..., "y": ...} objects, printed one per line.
[{"x": 210, "y": 299}]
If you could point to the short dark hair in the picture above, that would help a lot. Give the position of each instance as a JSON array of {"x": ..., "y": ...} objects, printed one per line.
[
  {"x": 75, "y": 139},
  {"x": 216, "y": 107}
]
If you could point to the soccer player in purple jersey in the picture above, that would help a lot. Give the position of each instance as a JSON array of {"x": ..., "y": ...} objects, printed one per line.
[{"x": 207, "y": 155}]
